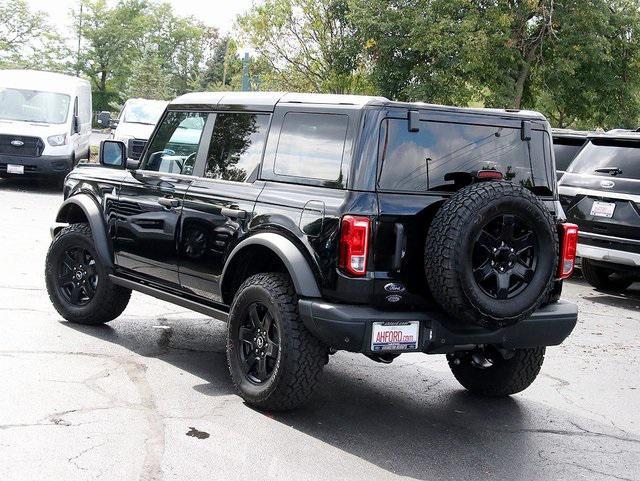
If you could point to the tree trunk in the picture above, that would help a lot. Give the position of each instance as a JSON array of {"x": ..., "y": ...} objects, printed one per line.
[
  {"x": 523, "y": 75},
  {"x": 103, "y": 81}
]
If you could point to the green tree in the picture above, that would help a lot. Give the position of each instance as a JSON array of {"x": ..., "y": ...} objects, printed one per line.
[
  {"x": 111, "y": 45},
  {"x": 309, "y": 45},
  {"x": 222, "y": 65},
  {"x": 18, "y": 26},
  {"x": 590, "y": 77},
  {"x": 27, "y": 40},
  {"x": 184, "y": 44},
  {"x": 149, "y": 79},
  {"x": 420, "y": 50}
]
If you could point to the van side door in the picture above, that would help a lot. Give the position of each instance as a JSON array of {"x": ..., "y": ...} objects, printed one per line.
[{"x": 219, "y": 204}]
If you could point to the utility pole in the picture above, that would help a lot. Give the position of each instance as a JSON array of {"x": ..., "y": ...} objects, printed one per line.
[
  {"x": 246, "y": 86},
  {"x": 225, "y": 63},
  {"x": 79, "y": 40}
]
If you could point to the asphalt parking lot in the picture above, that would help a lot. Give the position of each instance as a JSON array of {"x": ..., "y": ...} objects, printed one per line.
[{"x": 148, "y": 396}]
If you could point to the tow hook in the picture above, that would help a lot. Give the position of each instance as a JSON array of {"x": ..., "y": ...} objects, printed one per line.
[{"x": 382, "y": 358}]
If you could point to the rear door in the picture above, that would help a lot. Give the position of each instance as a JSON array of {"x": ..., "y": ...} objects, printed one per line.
[
  {"x": 601, "y": 189},
  {"x": 149, "y": 208},
  {"x": 219, "y": 203},
  {"x": 306, "y": 168}
]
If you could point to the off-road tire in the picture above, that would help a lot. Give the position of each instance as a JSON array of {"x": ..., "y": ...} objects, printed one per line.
[
  {"x": 449, "y": 246},
  {"x": 604, "y": 279},
  {"x": 301, "y": 358},
  {"x": 505, "y": 377},
  {"x": 109, "y": 300}
]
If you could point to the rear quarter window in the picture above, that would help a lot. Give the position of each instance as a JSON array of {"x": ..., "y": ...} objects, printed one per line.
[
  {"x": 425, "y": 160},
  {"x": 311, "y": 146},
  {"x": 565, "y": 150}
]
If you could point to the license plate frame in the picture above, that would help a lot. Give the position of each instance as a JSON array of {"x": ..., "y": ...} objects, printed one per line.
[
  {"x": 603, "y": 209},
  {"x": 15, "y": 169},
  {"x": 395, "y": 336}
]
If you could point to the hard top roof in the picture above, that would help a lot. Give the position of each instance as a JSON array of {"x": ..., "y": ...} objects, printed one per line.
[
  {"x": 40, "y": 81},
  {"x": 582, "y": 134},
  {"x": 617, "y": 135},
  {"x": 267, "y": 101}
]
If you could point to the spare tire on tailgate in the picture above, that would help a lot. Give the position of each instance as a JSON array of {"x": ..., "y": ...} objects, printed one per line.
[{"x": 491, "y": 254}]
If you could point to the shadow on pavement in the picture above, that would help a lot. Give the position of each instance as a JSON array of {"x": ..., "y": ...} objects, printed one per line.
[
  {"x": 625, "y": 300},
  {"x": 430, "y": 434},
  {"x": 32, "y": 184},
  {"x": 422, "y": 430},
  {"x": 194, "y": 346},
  {"x": 409, "y": 421}
]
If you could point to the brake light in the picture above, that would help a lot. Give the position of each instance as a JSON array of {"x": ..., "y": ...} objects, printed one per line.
[
  {"x": 354, "y": 244},
  {"x": 489, "y": 175},
  {"x": 568, "y": 248}
]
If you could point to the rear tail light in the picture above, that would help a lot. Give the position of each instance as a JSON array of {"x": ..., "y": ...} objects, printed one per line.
[
  {"x": 354, "y": 244},
  {"x": 568, "y": 248}
]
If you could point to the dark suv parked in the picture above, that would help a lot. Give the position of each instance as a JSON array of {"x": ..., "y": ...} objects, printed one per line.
[
  {"x": 316, "y": 223},
  {"x": 601, "y": 193},
  {"x": 566, "y": 145}
]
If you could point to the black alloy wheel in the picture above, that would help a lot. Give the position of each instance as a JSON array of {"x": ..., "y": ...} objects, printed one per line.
[
  {"x": 491, "y": 255},
  {"x": 274, "y": 361},
  {"x": 77, "y": 276},
  {"x": 260, "y": 343},
  {"x": 505, "y": 256}
]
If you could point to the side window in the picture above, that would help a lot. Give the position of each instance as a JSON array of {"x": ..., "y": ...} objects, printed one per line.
[
  {"x": 311, "y": 146},
  {"x": 428, "y": 159},
  {"x": 236, "y": 146},
  {"x": 174, "y": 147}
]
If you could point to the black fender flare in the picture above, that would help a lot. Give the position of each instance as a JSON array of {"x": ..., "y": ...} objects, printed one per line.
[
  {"x": 301, "y": 274},
  {"x": 93, "y": 214}
]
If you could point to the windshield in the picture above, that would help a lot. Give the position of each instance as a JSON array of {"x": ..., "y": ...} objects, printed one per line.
[
  {"x": 147, "y": 113},
  {"x": 599, "y": 155},
  {"x": 33, "y": 106}
]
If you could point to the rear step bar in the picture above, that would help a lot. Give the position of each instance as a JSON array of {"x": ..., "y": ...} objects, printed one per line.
[{"x": 205, "y": 309}]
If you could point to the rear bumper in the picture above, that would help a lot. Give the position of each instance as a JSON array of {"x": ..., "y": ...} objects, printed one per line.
[
  {"x": 44, "y": 165},
  {"x": 348, "y": 327},
  {"x": 612, "y": 256}
]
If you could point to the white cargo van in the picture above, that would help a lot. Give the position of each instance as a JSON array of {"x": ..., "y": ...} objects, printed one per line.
[
  {"x": 45, "y": 122},
  {"x": 135, "y": 123}
]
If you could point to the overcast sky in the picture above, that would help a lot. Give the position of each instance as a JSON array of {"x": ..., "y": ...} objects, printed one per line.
[{"x": 217, "y": 13}]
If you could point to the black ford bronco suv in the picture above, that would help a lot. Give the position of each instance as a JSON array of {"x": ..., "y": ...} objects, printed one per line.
[
  {"x": 601, "y": 193},
  {"x": 317, "y": 223}
]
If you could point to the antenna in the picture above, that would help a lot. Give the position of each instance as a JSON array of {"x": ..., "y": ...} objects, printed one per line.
[{"x": 79, "y": 39}]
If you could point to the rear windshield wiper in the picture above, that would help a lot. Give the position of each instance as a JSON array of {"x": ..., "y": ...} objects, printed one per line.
[{"x": 609, "y": 170}]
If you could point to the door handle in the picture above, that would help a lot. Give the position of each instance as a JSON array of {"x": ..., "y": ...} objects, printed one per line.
[
  {"x": 168, "y": 202},
  {"x": 233, "y": 213}
]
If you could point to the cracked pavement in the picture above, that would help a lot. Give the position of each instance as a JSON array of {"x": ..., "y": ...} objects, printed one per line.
[{"x": 148, "y": 397}]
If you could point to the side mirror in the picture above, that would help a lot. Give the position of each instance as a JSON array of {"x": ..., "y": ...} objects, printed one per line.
[
  {"x": 76, "y": 124},
  {"x": 113, "y": 123},
  {"x": 133, "y": 164},
  {"x": 113, "y": 154},
  {"x": 104, "y": 119}
]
